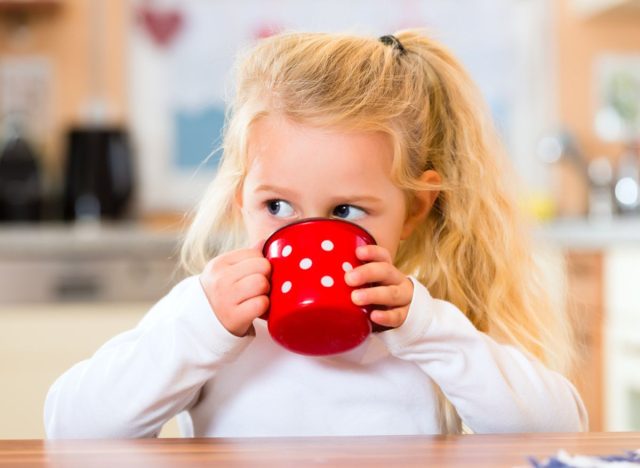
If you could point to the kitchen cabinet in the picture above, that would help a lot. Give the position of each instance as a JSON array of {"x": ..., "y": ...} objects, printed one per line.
[
  {"x": 29, "y": 6},
  {"x": 585, "y": 306},
  {"x": 574, "y": 280},
  {"x": 602, "y": 267},
  {"x": 39, "y": 342},
  {"x": 593, "y": 8},
  {"x": 622, "y": 338},
  {"x": 64, "y": 291}
]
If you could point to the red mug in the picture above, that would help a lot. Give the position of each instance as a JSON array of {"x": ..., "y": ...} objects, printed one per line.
[{"x": 311, "y": 311}]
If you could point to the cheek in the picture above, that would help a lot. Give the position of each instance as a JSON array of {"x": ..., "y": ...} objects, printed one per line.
[
  {"x": 387, "y": 235},
  {"x": 259, "y": 225},
  {"x": 391, "y": 244},
  {"x": 252, "y": 227},
  {"x": 396, "y": 234},
  {"x": 252, "y": 224}
]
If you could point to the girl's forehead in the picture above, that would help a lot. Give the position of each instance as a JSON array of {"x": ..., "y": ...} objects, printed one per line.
[
  {"x": 332, "y": 182},
  {"x": 276, "y": 134},
  {"x": 328, "y": 159}
]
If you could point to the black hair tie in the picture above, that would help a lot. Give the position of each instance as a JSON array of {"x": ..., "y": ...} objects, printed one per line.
[{"x": 391, "y": 40}]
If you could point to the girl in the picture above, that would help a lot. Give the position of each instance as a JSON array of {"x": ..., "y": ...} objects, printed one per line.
[{"x": 391, "y": 135}]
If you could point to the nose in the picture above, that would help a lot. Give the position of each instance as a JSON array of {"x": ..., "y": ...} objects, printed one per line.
[{"x": 314, "y": 213}]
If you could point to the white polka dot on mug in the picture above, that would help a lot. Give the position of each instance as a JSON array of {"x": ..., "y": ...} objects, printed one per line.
[
  {"x": 327, "y": 281},
  {"x": 327, "y": 245}
]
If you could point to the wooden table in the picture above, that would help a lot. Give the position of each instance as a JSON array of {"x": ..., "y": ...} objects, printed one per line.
[{"x": 510, "y": 450}]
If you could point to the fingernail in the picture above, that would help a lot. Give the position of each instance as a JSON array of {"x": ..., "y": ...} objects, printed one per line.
[
  {"x": 351, "y": 277},
  {"x": 357, "y": 296}
]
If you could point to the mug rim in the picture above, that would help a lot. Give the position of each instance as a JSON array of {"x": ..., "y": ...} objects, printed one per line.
[{"x": 315, "y": 219}]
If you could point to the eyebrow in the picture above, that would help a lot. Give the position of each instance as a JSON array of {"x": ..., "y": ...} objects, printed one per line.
[
  {"x": 350, "y": 198},
  {"x": 274, "y": 188}
]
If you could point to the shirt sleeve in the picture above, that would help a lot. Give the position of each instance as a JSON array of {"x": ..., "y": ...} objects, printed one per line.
[
  {"x": 141, "y": 378},
  {"x": 495, "y": 388}
]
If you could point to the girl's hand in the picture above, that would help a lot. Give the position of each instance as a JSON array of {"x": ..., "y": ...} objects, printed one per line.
[
  {"x": 391, "y": 288},
  {"x": 237, "y": 284}
]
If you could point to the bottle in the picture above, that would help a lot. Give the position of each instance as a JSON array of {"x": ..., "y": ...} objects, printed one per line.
[
  {"x": 20, "y": 180},
  {"x": 627, "y": 183},
  {"x": 601, "y": 205},
  {"x": 568, "y": 174}
]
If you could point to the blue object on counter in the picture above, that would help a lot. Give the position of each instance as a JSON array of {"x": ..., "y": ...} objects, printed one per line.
[{"x": 565, "y": 460}]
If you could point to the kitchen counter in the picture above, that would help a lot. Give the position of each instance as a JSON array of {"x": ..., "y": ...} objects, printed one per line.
[
  {"x": 86, "y": 240},
  {"x": 582, "y": 233},
  {"x": 86, "y": 262},
  {"x": 105, "y": 239},
  {"x": 484, "y": 450}
]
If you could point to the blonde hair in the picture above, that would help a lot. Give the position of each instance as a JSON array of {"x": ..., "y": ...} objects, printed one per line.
[{"x": 472, "y": 250}]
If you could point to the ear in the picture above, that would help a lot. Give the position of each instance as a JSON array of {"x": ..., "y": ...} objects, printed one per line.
[
  {"x": 238, "y": 196},
  {"x": 422, "y": 203}
]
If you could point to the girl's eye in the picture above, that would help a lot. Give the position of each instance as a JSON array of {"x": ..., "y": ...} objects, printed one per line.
[
  {"x": 348, "y": 212},
  {"x": 279, "y": 208}
]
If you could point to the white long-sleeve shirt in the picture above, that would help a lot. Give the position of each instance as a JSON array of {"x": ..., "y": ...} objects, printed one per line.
[{"x": 180, "y": 359}]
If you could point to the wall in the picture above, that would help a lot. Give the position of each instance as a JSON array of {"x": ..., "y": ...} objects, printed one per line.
[
  {"x": 580, "y": 40},
  {"x": 62, "y": 33}
]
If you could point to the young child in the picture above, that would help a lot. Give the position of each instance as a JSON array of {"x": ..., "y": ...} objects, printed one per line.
[{"x": 390, "y": 134}]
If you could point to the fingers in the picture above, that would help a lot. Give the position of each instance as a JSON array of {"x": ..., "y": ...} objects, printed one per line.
[
  {"x": 390, "y": 296},
  {"x": 252, "y": 307},
  {"x": 236, "y": 285},
  {"x": 246, "y": 267},
  {"x": 373, "y": 253},
  {"x": 239, "y": 263},
  {"x": 236, "y": 256},
  {"x": 380, "y": 284},
  {"x": 376, "y": 272},
  {"x": 250, "y": 286},
  {"x": 240, "y": 281},
  {"x": 391, "y": 318}
]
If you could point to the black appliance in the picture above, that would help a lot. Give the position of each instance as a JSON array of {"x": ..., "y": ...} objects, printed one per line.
[
  {"x": 99, "y": 178},
  {"x": 20, "y": 181}
]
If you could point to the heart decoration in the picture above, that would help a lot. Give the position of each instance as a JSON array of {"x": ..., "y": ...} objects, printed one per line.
[
  {"x": 265, "y": 30},
  {"x": 161, "y": 25}
]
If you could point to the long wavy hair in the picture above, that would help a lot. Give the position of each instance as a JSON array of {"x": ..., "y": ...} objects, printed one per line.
[{"x": 472, "y": 249}]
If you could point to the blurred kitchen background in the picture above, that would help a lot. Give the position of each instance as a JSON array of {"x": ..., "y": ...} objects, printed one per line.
[{"x": 110, "y": 116}]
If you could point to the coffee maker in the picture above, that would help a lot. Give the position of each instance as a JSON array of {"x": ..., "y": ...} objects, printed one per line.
[{"x": 98, "y": 181}]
